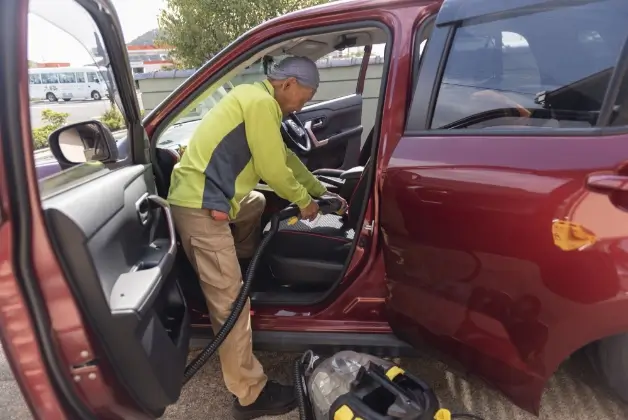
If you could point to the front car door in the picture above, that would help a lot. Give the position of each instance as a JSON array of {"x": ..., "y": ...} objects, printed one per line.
[
  {"x": 91, "y": 245},
  {"x": 495, "y": 249}
]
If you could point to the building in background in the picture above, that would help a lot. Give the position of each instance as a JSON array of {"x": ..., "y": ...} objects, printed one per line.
[
  {"x": 147, "y": 58},
  {"x": 144, "y": 55},
  {"x": 34, "y": 64}
]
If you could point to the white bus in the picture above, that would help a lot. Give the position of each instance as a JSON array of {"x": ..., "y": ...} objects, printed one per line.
[{"x": 54, "y": 83}]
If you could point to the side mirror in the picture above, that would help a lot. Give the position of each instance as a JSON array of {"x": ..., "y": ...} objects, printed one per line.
[{"x": 87, "y": 141}]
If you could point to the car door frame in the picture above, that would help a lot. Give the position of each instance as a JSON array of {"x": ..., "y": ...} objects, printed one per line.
[
  {"x": 419, "y": 116},
  {"x": 162, "y": 116},
  {"x": 48, "y": 316}
]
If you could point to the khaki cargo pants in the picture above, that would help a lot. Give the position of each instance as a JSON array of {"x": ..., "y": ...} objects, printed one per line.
[{"x": 213, "y": 249}]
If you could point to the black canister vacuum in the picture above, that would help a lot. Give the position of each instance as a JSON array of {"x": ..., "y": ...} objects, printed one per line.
[{"x": 359, "y": 386}]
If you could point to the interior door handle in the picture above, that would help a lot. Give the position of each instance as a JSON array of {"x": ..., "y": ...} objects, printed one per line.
[
  {"x": 142, "y": 206},
  {"x": 315, "y": 142},
  {"x": 317, "y": 123},
  {"x": 165, "y": 206},
  {"x": 607, "y": 183}
]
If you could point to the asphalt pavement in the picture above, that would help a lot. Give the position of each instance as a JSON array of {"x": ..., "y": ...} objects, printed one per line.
[{"x": 574, "y": 393}]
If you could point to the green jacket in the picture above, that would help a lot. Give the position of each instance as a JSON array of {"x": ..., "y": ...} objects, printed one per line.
[{"x": 238, "y": 142}]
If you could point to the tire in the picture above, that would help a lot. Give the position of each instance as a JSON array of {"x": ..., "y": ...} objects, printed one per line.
[
  {"x": 66, "y": 99},
  {"x": 96, "y": 95},
  {"x": 611, "y": 360},
  {"x": 51, "y": 97}
]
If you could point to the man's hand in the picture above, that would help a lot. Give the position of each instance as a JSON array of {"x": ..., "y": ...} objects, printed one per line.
[
  {"x": 342, "y": 200},
  {"x": 310, "y": 212},
  {"x": 499, "y": 99}
]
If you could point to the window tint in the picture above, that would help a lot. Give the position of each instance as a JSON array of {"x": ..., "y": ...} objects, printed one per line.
[
  {"x": 80, "y": 77},
  {"x": 50, "y": 78},
  {"x": 546, "y": 69},
  {"x": 34, "y": 79}
]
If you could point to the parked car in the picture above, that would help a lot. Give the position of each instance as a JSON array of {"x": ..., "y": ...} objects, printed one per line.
[{"x": 487, "y": 218}]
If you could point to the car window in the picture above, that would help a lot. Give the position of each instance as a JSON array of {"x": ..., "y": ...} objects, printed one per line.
[
  {"x": 545, "y": 69},
  {"x": 68, "y": 77}
]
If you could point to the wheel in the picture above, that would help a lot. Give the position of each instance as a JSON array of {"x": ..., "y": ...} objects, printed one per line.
[
  {"x": 66, "y": 99},
  {"x": 51, "y": 97},
  {"x": 96, "y": 96},
  {"x": 611, "y": 360}
]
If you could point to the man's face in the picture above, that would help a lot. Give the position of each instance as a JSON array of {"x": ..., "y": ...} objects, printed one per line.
[{"x": 293, "y": 96}]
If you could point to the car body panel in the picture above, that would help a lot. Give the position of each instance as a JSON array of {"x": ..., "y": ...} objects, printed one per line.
[
  {"x": 515, "y": 304},
  {"x": 495, "y": 250}
]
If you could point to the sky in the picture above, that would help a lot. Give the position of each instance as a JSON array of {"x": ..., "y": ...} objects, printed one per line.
[{"x": 48, "y": 43}]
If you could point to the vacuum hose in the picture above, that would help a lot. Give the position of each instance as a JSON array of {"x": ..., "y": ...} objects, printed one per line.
[
  {"x": 305, "y": 410},
  {"x": 326, "y": 206}
]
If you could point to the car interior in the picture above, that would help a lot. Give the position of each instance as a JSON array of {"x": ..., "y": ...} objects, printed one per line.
[{"x": 305, "y": 260}]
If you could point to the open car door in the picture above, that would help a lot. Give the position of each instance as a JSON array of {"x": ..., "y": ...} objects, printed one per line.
[{"x": 96, "y": 244}]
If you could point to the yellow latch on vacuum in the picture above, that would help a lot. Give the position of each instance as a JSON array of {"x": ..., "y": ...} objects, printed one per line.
[
  {"x": 443, "y": 414},
  {"x": 345, "y": 413}
]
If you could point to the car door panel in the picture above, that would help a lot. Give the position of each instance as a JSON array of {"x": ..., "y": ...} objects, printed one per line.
[
  {"x": 119, "y": 253},
  {"x": 337, "y": 125}
]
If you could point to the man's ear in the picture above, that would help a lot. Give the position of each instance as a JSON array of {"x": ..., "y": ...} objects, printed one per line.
[{"x": 290, "y": 81}]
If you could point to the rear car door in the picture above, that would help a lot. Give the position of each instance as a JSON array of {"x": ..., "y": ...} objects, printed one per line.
[
  {"x": 500, "y": 249},
  {"x": 98, "y": 243}
]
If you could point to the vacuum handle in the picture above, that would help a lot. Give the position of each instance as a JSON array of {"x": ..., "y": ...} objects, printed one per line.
[{"x": 288, "y": 212}]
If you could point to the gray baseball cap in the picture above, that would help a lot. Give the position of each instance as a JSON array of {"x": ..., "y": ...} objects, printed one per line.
[{"x": 301, "y": 68}]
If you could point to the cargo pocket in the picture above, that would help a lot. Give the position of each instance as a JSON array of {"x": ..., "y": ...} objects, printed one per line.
[{"x": 217, "y": 263}]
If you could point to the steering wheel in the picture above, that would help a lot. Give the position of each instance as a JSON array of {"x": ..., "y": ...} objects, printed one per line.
[{"x": 294, "y": 133}]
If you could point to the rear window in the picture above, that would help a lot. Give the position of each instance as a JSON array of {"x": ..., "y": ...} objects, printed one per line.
[{"x": 546, "y": 69}]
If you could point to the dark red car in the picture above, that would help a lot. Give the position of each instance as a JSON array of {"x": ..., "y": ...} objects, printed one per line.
[{"x": 487, "y": 205}]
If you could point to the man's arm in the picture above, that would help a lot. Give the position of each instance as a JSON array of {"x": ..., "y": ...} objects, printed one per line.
[
  {"x": 269, "y": 152},
  {"x": 304, "y": 176}
]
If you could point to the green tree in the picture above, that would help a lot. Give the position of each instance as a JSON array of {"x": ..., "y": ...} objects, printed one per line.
[{"x": 198, "y": 29}]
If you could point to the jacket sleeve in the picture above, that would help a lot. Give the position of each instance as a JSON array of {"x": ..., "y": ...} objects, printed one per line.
[
  {"x": 304, "y": 176},
  {"x": 268, "y": 151}
]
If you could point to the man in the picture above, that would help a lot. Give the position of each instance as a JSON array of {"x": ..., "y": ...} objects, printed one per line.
[{"x": 237, "y": 143}]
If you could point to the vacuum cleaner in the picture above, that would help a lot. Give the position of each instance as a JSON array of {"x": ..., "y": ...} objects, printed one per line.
[{"x": 359, "y": 386}]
